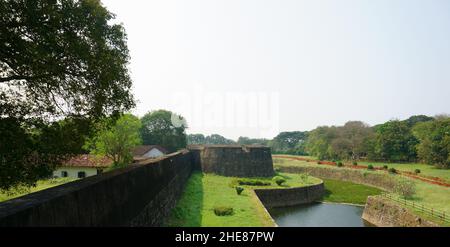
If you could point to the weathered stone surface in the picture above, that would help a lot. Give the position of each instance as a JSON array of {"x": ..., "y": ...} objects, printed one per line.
[
  {"x": 382, "y": 212},
  {"x": 233, "y": 160},
  {"x": 290, "y": 196},
  {"x": 140, "y": 195}
]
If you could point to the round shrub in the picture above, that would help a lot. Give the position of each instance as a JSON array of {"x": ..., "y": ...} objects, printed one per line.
[
  {"x": 370, "y": 167},
  {"x": 339, "y": 164},
  {"x": 417, "y": 171},
  {"x": 355, "y": 163},
  {"x": 223, "y": 211},
  {"x": 392, "y": 170},
  {"x": 319, "y": 162},
  {"x": 239, "y": 189},
  {"x": 279, "y": 180},
  {"x": 385, "y": 167}
]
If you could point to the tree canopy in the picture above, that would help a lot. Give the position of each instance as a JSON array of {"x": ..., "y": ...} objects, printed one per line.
[
  {"x": 164, "y": 128},
  {"x": 117, "y": 142},
  {"x": 58, "y": 60}
]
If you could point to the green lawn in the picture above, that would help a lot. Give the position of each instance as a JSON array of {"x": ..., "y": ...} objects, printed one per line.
[
  {"x": 427, "y": 170},
  {"x": 41, "y": 185},
  {"x": 347, "y": 192},
  {"x": 203, "y": 192},
  {"x": 430, "y": 195}
]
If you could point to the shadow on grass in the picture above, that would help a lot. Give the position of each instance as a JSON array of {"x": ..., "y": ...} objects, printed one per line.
[{"x": 188, "y": 211}]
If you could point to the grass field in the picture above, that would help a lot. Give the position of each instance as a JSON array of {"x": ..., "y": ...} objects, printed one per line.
[
  {"x": 347, "y": 192},
  {"x": 41, "y": 185},
  {"x": 206, "y": 191},
  {"x": 427, "y": 170},
  {"x": 430, "y": 195}
]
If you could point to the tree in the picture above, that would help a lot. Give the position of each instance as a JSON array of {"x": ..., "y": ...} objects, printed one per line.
[
  {"x": 195, "y": 139},
  {"x": 216, "y": 139},
  {"x": 164, "y": 128},
  {"x": 319, "y": 142},
  {"x": 58, "y": 60},
  {"x": 290, "y": 142},
  {"x": 394, "y": 142},
  {"x": 117, "y": 142},
  {"x": 434, "y": 145},
  {"x": 242, "y": 140}
]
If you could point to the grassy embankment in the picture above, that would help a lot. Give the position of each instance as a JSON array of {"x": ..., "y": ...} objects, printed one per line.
[
  {"x": 430, "y": 195},
  {"x": 41, "y": 185},
  {"x": 203, "y": 192},
  {"x": 426, "y": 170}
]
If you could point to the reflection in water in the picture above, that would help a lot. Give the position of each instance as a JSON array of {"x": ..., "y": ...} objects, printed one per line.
[{"x": 319, "y": 214}]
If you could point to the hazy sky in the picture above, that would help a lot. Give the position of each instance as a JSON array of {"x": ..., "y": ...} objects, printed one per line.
[{"x": 254, "y": 68}]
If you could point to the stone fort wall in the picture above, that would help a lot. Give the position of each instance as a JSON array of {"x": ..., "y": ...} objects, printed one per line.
[
  {"x": 140, "y": 195},
  {"x": 233, "y": 160}
]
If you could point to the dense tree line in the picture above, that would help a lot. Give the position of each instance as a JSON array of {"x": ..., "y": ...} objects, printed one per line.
[
  {"x": 419, "y": 138},
  {"x": 213, "y": 139}
]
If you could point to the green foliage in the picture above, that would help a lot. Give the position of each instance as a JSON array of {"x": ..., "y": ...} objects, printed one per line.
[
  {"x": 385, "y": 167},
  {"x": 434, "y": 146},
  {"x": 394, "y": 142},
  {"x": 392, "y": 170},
  {"x": 290, "y": 143},
  {"x": 339, "y": 164},
  {"x": 59, "y": 60},
  {"x": 279, "y": 180},
  {"x": 63, "y": 58},
  {"x": 304, "y": 178},
  {"x": 355, "y": 163},
  {"x": 117, "y": 141},
  {"x": 405, "y": 187},
  {"x": 370, "y": 167},
  {"x": 164, "y": 128},
  {"x": 242, "y": 140},
  {"x": 213, "y": 139},
  {"x": 223, "y": 211},
  {"x": 417, "y": 171},
  {"x": 239, "y": 189},
  {"x": 253, "y": 182},
  {"x": 343, "y": 142}
]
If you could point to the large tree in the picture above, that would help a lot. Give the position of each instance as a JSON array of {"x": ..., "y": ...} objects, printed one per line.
[
  {"x": 434, "y": 146},
  {"x": 117, "y": 141},
  {"x": 58, "y": 59},
  {"x": 292, "y": 142},
  {"x": 164, "y": 128}
]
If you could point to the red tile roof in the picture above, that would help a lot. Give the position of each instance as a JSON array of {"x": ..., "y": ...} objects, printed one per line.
[{"x": 88, "y": 160}]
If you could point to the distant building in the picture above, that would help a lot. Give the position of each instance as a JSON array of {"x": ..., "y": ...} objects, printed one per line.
[
  {"x": 148, "y": 151},
  {"x": 82, "y": 166}
]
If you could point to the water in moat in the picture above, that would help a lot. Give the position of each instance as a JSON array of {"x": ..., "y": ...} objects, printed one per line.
[{"x": 319, "y": 215}]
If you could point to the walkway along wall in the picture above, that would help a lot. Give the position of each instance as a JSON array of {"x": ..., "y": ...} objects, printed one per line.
[{"x": 140, "y": 195}]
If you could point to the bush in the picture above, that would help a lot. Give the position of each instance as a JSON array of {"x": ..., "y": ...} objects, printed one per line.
[
  {"x": 304, "y": 177},
  {"x": 319, "y": 162},
  {"x": 405, "y": 188},
  {"x": 239, "y": 189},
  {"x": 417, "y": 171},
  {"x": 339, "y": 164},
  {"x": 355, "y": 163},
  {"x": 392, "y": 170},
  {"x": 253, "y": 182},
  {"x": 223, "y": 211},
  {"x": 385, "y": 167},
  {"x": 279, "y": 180},
  {"x": 370, "y": 167}
]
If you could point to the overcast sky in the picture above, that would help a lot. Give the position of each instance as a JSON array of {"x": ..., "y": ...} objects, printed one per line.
[{"x": 257, "y": 67}]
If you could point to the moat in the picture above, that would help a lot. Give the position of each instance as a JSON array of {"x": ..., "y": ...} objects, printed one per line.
[{"x": 319, "y": 215}]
